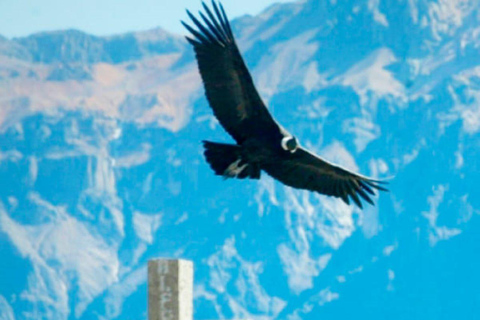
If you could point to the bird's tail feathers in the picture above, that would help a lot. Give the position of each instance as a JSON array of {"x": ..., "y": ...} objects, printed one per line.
[{"x": 226, "y": 160}]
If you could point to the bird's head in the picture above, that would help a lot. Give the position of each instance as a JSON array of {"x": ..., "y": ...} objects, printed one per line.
[{"x": 290, "y": 144}]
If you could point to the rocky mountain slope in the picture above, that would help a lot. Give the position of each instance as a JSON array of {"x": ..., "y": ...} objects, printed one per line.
[{"x": 101, "y": 168}]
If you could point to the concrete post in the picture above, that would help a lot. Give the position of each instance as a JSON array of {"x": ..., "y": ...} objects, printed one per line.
[{"x": 170, "y": 289}]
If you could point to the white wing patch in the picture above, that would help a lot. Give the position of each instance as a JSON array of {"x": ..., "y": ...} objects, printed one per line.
[{"x": 234, "y": 169}]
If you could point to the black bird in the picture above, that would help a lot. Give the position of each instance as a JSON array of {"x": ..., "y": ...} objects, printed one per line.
[{"x": 262, "y": 144}]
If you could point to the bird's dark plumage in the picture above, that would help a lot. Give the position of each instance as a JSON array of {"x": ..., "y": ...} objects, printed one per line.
[
  {"x": 228, "y": 84},
  {"x": 262, "y": 144},
  {"x": 305, "y": 170}
]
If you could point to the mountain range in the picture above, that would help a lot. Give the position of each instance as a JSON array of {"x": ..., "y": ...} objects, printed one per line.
[{"x": 101, "y": 168}]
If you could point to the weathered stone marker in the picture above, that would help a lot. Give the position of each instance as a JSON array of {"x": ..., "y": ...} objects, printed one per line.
[{"x": 170, "y": 289}]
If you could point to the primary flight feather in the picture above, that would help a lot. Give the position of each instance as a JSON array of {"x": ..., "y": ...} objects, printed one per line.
[{"x": 262, "y": 144}]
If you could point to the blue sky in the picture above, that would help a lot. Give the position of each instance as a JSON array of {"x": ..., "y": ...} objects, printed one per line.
[{"x": 105, "y": 17}]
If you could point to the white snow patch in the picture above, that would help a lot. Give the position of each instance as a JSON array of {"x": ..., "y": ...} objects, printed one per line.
[
  {"x": 391, "y": 277},
  {"x": 466, "y": 105},
  {"x": 326, "y": 296},
  {"x": 289, "y": 57},
  {"x": 365, "y": 131},
  {"x": 373, "y": 6},
  {"x": 13, "y": 202},
  {"x": 387, "y": 251},
  {"x": 316, "y": 111},
  {"x": 339, "y": 155},
  {"x": 6, "y": 310},
  {"x": 308, "y": 214},
  {"x": 438, "y": 233},
  {"x": 458, "y": 159},
  {"x": 102, "y": 185},
  {"x": 369, "y": 76},
  {"x": 471, "y": 120},
  {"x": 138, "y": 252},
  {"x": 33, "y": 169},
  {"x": 64, "y": 254},
  {"x": 266, "y": 187},
  {"x": 145, "y": 225},
  {"x": 11, "y": 155},
  {"x": 135, "y": 158},
  {"x": 323, "y": 297},
  {"x": 173, "y": 158},
  {"x": 300, "y": 267},
  {"x": 378, "y": 167},
  {"x": 368, "y": 220},
  {"x": 227, "y": 268},
  {"x": 336, "y": 223},
  {"x": 413, "y": 154},
  {"x": 120, "y": 291},
  {"x": 413, "y": 10},
  {"x": 261, "y": 31},
  {"x": 431, "y": 64},
  {"x": 147, "y": 184},
  {"x": 356, "y": 270},
  {"x": 313, "y": 80},
  {"x": 466, "y": 209},
  {"x": 182, "y": 218},
  {"x": 447, "y": 15}
]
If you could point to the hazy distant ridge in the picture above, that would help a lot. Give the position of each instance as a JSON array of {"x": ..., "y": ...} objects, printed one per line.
[{"x": 73, "y": 46}]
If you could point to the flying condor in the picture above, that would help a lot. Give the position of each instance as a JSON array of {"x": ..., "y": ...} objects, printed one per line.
[{"x": 262, "y": 143}]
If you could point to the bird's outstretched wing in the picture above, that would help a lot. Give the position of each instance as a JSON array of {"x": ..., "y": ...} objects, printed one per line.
[
  {"x": 304, "y": 170},
  {"x": 228, "y": 84}
]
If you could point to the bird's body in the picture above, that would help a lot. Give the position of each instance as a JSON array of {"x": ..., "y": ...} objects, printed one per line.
[
  {"x": 256, "y": 153},
  {"x": 262, "y": 144}
]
